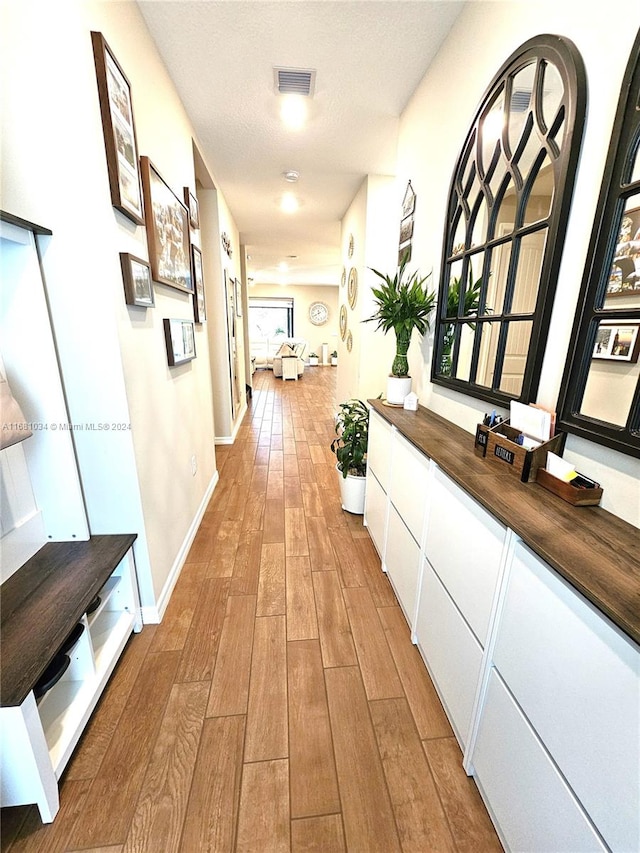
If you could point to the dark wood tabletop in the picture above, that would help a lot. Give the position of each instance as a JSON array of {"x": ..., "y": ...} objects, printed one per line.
[
  {"x": 595, "y": 551},
  {"x": 42, "y": 602}
]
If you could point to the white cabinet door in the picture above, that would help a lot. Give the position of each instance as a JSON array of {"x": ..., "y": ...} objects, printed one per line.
[
  {"x": 578, "y": 681},
  {"x": 375, "y": 512},
  {"x": 402, "y": 562},
  {"x": 452, "y": 653},
  {"x": 531, "y": 803},
  {"x": 409, "y": 484},
  {"x": 379, "y": 449},
  {"x": 464, "y": 545}
]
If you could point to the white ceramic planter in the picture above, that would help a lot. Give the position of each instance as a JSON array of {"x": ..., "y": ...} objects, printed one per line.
[
  {"x": 352, "y": 493},
  {"x": 313, "y": 361},
  {"x": 397, "y": 389},
  {"x": 334, "y": 362}
]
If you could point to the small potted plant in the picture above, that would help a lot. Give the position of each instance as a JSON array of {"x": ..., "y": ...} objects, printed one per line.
[
  {"x": 350, "y": 448},
  {"x": 402, "y": 306},
  {"x": 334, "y": 357},
  {"x": 313, "y": 359}
]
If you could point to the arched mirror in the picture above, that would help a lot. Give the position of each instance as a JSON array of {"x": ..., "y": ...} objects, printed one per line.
[
  {"x": 600, "y": 395},
  {"x": 507, "y": 210}
]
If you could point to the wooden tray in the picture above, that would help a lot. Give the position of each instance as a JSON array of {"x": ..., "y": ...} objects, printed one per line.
[
  {"x": 522, "y": 463},
  {"x": 569, "y": 493}
]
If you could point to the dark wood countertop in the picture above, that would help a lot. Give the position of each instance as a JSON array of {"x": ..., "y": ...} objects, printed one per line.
[
  {"x": 595, "y": 551},
  {"x": 42, "y": 602}
]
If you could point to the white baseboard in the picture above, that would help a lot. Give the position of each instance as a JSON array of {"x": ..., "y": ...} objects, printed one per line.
[
  {"x": 153, "y": 615},
  {"x": 229, "y": 439}
]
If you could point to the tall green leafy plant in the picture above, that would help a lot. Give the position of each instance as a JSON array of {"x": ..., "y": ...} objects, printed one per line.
[
  {"x": 402, "y": 306},
  {"x": 352, "y": 429}
]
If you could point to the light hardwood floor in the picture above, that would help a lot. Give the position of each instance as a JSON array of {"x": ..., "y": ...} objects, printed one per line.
[{"x": 280, "y": 705}]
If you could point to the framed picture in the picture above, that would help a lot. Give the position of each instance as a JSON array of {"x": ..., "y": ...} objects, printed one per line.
[
  {"x": 406, "y": 230},
  {"x": 199, "y": 309},
  {"x": 119, "y": 132},
  {"x": 238, "y": 295},
  {"x": 617, "y": 342},
  {"x": 624, "y": 276},
  {"x": 408, "y": 202},
  {"x": 180, "y": 339},
  {"x": 167, "y": 230},
  {"x": 192, "y": 206},
  {"x": 136, "y": 275},
  {"x": 404, "y": 253}
]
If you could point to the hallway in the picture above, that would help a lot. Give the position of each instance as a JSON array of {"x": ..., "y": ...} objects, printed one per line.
[{"x": 280, "y": 705}]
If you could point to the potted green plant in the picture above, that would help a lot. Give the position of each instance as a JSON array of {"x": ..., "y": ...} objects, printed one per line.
[
  {"x": 402, "y": 306},
  {"x": 334, "y": 357},
  {"x": 350, "y": 448},
  {"x": 313, "y": 359}
]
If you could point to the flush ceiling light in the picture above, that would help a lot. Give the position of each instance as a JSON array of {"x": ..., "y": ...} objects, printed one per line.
[
  {"x": 291, "y": 175},
  {"x": 289, "y": 203},
  {"x": 293, "y": 111}
]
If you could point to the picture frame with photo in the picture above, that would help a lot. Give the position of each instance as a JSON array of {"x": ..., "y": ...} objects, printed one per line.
[
  {"x": 136, "y": 276},
  {"x": 116, "y": 110},
  {"x": 191, "y": 203},
  {"x": 617, "y": 342},
  {"x": 199, "y": 306},
  {"x": 180, "y": 339},
  {"x": 624, "y": 276},
  {"x": 168, "y": 235}
]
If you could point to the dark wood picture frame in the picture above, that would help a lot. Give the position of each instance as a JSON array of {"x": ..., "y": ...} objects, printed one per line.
[
  {"x": 199, "y": 305},
  {"x": 179, "y": 336},
  {"x": 116, "y": 110},
  {"x": 136, "y": 276},
  {"x": 168, "y": 236},
  {"x": 191, "y": 203}
]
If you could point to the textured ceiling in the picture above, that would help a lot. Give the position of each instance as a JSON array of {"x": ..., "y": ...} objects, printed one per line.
[{"x": 369, "y": 56}]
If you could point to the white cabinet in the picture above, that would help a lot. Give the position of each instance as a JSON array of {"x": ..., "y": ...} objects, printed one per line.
[
  {"x": 375, "y": 512},
  {"x": 531, "y": 804},
  {"x": 577, "y": 679},
  {"x": 452, "y": 653},
  {"x": 464, "y": 544},
  {"x": 402, "y": 562},
  {"x": 379, "y": 449},
  {"x": 409, "y": 484}
]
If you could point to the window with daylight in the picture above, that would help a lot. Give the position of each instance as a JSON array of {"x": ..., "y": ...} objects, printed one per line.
[
  {"x": 270, "y": 318},
  {"x": 507, "y": 212}
]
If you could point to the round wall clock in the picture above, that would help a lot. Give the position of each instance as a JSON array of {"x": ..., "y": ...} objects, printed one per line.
[
  {"x": 352, "y": 287},
  {"x": 349, "y": 342},
  {"x": 318, "y": 313},
  {"x": 343, "y": 321}
]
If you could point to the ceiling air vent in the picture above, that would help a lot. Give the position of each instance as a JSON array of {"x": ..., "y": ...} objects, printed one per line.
[
  {"x": 295, "y": 81},
  {"x": 520, "y": 100}
]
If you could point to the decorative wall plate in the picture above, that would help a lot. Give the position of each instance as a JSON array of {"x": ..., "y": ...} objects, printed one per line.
[
  {"x": 343, "y": 321},
  {"x": 351, "y": 245},
  {"x": 343, "y": 280},
  {"x": 352, "y": 287},
  {"x": 318, "y": 313},
  {"x": 349, "y": 342}
]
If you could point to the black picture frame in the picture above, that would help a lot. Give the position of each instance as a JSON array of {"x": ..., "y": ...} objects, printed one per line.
[
  {"x": 180, "y": 339},
  {"x": 168, "y": 235},
  {"x": 136, "y": 277},
  {"x": 199, "y": 304},
  {"x": 121, "y": 146},
  {"x": 191, "y": 203}
]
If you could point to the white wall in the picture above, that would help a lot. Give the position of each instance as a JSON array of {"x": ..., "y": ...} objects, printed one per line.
[
  {"x": 432, "y": 130},
  {"x": 113, "y": 357}
]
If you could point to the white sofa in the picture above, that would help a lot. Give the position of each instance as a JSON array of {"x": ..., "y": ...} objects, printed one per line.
[{"x": 295, "y": 349}]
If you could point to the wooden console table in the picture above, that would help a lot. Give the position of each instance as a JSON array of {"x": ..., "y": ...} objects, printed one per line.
[{"x": 40, "y": 605}]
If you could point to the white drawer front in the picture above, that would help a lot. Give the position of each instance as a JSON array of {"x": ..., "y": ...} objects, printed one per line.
[
  {"x": 409, "y": 484},
  {"x": 464, "y": 545},
  {"x": 375, "y": 512},
  {"x": 379, "y": 449},
  {"x": 532, "y": 804},
  {"x": 452, "y": 653},
  {"x": 578, "y": 681},
  {"x": 402, "y": 561}
]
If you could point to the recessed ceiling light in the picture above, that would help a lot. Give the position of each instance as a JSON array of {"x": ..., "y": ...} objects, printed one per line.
[
  {"x": 291, "y": 175},
  {"x": 289, "y": 203},
  {"x": 293, "y": 111}
]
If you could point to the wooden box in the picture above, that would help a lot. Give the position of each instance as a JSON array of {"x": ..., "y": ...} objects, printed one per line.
[
  {"x": 522, "y": 463},
  {"x": 482, "y": 439},
  {"x": 569, "y": 493}
]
